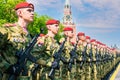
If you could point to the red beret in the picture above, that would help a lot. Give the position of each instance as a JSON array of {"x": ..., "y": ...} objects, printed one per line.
[
  {"x": 68, "y": 29},
  {"x": 98, "y": 42},
  {"x": 87, "y": 37},
  {"x": 93, "y": 40},
  {"x": 81, "y": 34},
  {"x": 52, "y": 21},
  {"x": 24, "y": 5}
]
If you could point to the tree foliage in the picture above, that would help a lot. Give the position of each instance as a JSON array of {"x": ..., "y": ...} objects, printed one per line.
[{"x": 7, "y": 12}]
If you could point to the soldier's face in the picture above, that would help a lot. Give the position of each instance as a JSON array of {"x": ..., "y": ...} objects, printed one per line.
[
  {"x": 94, "y": 43},
  {"x": 27, "y": 14},
  {"x": 88, "y": 40},
  {"x": 82, "y": 38},
  {"x": 69, "y": 33},
  {"x": 54, "y": 28}
]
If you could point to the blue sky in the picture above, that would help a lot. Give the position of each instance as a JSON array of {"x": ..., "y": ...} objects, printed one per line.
[{"x": 99, "y": 19}]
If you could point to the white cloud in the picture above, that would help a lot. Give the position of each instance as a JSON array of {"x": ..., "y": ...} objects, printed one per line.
[
  {"x": 97, "y": 22},
  {"x": 78, "y": 5},
  {"x": 104, "y": 3},
  {"x": 103, "y": 13},
  {"x": 45, "y": 4}
]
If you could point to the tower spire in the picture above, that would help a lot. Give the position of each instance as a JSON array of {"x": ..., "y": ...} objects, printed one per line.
[{"x": 67, "y": 2}]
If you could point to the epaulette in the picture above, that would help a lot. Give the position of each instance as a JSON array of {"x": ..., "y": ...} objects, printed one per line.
[{"x": 9, "y": 24}]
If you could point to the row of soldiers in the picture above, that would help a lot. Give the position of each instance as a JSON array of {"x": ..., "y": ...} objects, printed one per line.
[{"x": 84, "y": 59}]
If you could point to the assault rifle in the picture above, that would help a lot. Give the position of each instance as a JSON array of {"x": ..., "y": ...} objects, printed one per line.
[
  {"x": 57, "y": 57},
  {"x": 23, "y": 56},
  {"x": 73, "y": 56}
]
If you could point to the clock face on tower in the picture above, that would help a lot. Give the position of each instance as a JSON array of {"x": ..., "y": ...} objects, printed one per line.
[{"x": 68, "y": 17}]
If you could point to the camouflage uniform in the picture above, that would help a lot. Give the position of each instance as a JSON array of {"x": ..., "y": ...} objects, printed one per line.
[
  {"x": 102, "y": 62},
  {"x": 17, "y": 39},
  {"x": 45, "y": 57},
  {"x": 94, "y": 69},
  {"x": 88, "y": 70},
  {"x": 66, "y": 75},
  {"x": 81, "y": 51},
  {"x": 47, "y": 47},
  {"x": 80, "y": 63}
]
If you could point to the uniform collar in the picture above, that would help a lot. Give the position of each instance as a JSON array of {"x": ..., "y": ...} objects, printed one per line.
[{"x": 23, "y": 30}]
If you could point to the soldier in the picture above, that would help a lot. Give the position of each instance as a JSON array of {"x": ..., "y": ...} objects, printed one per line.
[
  {"x": 101, "y": 60},
  {"x": 49, "y": 46},
  {"x": 98, "y": 57},
  {"x": 88, "y": 60},
  {"x": 68, "y": 32},
  {"x": 18, "y": 36},
  {"x": 94, "y": 69},
  {"x": 81, "y": 56}
]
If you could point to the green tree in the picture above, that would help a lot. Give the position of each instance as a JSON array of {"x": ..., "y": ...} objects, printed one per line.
[{"x": 7, "y": 12}]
